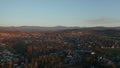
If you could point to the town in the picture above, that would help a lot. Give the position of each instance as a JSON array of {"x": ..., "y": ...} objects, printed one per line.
[{"x": 70, "y": 48}]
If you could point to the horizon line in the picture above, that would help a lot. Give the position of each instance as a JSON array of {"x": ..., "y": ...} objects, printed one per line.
[{"x": 58, "y": 26}]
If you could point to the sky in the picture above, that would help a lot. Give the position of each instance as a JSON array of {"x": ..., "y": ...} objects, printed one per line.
[{"x": 82, "y": 13}]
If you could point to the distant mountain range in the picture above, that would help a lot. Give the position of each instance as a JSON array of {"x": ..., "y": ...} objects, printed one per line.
[{"x": 38, "y": 28}]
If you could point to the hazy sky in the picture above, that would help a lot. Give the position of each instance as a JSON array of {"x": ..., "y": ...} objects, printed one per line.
[{"x": 60, "y": 13}]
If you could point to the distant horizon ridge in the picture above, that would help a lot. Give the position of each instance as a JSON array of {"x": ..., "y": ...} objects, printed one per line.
[{"x": 59, "y": 26}]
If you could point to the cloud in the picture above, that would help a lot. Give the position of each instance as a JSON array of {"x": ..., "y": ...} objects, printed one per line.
[{"x": 103, "y": 20}]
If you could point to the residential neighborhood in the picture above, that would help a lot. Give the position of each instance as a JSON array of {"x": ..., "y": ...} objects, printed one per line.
[{"x": 59, "y": 49}]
